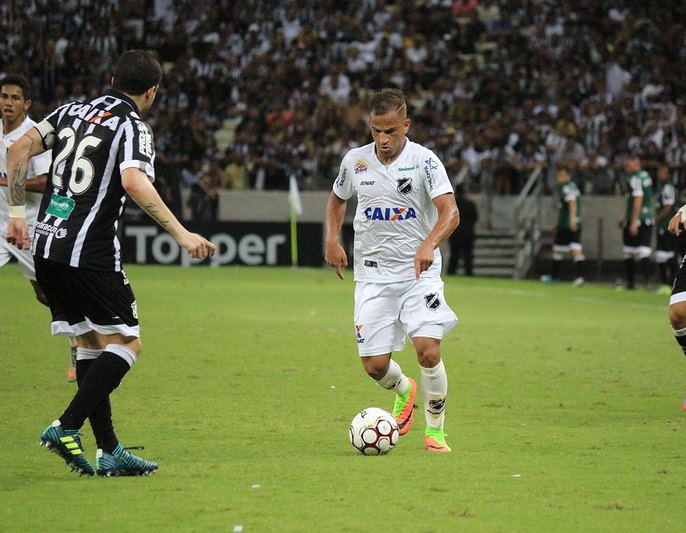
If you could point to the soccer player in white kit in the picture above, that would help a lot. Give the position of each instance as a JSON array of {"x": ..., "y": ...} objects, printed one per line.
[
  {"x": 15, "y": 102},
  {"x": 405, "y": 209}
]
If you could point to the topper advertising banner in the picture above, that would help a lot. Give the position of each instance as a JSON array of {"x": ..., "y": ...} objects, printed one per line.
[{"x": 238, "y": 243}]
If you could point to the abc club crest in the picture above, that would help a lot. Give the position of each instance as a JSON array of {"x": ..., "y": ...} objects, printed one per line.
[
  {"x": 404, "y": 185},
  {"x": 432, "y": 300}
]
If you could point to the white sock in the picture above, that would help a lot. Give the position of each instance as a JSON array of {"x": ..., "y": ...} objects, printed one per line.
[
  {"x": 435, "y": 389},
  {"x": 394, "y": 379},
  {"x": 86, "y": 353}
]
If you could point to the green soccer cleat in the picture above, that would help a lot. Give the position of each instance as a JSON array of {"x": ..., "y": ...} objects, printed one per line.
[
  {"x": 66, "y": 444},
  {"x": 403, "y": 408},
  {"x": 121, "y": 462},
  {"x": 435, "y": 440}
]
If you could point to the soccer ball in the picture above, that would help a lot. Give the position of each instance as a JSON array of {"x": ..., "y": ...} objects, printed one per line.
[{"x": 374, "y": 431}]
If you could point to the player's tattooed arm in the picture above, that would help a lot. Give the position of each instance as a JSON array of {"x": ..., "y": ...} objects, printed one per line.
[
  {"x": 18, "y": 165},
  {"x": 17, "y": 185},
  {"x": 153, "y": 211}
]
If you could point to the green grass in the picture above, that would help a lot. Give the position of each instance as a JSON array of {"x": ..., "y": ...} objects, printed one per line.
[{"x": 564, "y": 412}]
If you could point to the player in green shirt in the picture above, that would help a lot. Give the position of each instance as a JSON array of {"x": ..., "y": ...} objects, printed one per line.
[
  {"x": 638, "y": 223},
  {"x": 568, "y": 230}
]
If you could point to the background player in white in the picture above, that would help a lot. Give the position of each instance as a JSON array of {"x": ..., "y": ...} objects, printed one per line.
[
  {"x": 405, "y": 209},
  {"x": 15, "y": 102},
  {"x": 102, "y": 150}
]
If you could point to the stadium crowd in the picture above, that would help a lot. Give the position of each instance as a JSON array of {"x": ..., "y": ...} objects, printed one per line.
[{"x": 257, "y": 90}]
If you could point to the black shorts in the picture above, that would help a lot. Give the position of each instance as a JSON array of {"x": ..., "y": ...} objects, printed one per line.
[
  {"x": 564, "y": 237},
  {"x": 679, "y": 284},
  {"x": 642, "y": 239},
  {"x": 84, "y": 300},
  {"x": 666, "y": 241}
]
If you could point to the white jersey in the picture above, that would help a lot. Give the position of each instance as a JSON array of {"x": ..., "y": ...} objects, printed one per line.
[
  {"x": 395, "y": 209},
  {"x": 38, "y": 165}
]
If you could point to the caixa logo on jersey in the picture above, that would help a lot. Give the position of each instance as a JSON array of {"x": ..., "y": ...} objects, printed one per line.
[{"x": 392, "y": 214}]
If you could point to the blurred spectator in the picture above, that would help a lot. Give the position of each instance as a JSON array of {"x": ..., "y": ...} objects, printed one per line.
[
  {"x": 462, "y": 239},
  {"x": 615, "y": 72},
  {"x": 203, "y": 200},
  {"x": 236, "y": 171}
]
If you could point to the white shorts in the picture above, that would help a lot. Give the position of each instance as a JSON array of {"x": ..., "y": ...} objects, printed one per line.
[
  {"x": 386, "y": 312},
  {"x": 24, "y": 257}
]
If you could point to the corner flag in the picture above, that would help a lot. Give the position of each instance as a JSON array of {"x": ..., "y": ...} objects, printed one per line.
[{"x": 296, "y": 210}]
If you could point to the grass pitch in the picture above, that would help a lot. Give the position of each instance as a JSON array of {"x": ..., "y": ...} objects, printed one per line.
[{"x": 564, "y": 412}]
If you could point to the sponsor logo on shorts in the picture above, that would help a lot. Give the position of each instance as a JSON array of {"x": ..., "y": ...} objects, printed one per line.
[
  {"x": 432, "y": 300},
  {"x": 358, "y": 332},
  {"x": 369, "y": 263}
]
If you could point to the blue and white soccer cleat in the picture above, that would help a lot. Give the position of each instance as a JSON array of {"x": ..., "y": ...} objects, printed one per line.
[
  {"x": 66, "y": 444},
  {"x": 121, "y": 462}
]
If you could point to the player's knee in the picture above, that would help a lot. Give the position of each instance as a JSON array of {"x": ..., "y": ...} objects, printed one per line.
[
  {"x": 677, "y": 317},
  {"x": 375, "y": 367},
  {"x": 428, "y": 353},
  {"x": 135, "y": 345},
  {"x": 40, "y": 296}
]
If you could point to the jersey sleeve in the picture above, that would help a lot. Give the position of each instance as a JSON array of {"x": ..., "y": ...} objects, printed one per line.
[
  {"x": 343, "y": 186},
  {"x": 636, "y": 186},
  {"x": 668, "y": 195},
  {"x": 137, "y": 148},
  {"x": 434, "y": 175}
]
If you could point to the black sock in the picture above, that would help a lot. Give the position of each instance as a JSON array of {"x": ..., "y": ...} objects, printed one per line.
[
  {"x": 101, "y": 417},
  {"x": 102, "y": 376},
  {"x": 579, "y": 265},
  {"x": 630, "y": 268},
  {"x": 662, "y": 268},
  {"x": 646, "y": 268},
  {"x": 555, "y": 271},
  {"x": 682, "y": 342}
]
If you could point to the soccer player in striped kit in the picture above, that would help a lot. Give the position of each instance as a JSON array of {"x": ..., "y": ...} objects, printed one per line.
[{"x": 102, "y": 151}]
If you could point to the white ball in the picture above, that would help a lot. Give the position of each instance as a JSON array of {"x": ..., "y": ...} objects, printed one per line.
[{"x": 374, "y": 431}]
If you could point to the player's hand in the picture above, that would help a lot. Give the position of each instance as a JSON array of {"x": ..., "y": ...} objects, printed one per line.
[
  {"x": 197, "y": 246},
  {"x": 423, "y": 259},
  {"x": 18, "y": 233},
  {"x": 335, "y": 256},
  {"x": 633, "y": 228},
  {"x": 675, "y": 224}
]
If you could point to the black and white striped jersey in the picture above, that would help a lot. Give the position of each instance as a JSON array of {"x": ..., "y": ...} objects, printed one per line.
[{"x": 92, "y": 143}]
